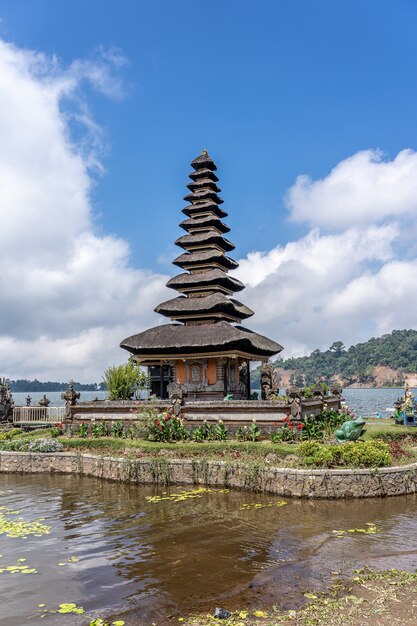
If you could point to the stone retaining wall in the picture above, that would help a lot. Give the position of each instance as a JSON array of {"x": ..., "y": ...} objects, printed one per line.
[{"x": 389, "y": 481}]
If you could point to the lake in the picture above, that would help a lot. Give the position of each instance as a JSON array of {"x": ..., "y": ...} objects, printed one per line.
[
  {"x": 123, "y": 556},
  {"x": 361, "y": 401}
]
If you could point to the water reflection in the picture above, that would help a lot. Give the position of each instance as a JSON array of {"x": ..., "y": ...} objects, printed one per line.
[{"x": 146, "y": 561}]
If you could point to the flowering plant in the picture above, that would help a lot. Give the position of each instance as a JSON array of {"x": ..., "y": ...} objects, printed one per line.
[{"x": 45, "y": 445}]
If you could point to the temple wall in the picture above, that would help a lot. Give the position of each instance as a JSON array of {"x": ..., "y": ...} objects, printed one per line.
[
  {"x": 268, "y": 413},
  {"x": 285, "y": 482}
]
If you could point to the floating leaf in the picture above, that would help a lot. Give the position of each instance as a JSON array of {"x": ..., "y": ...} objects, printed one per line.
[
  {"x": 311, "y": 596},
  {"x": 257, "y": 505},
  {"x": 70, "y": 607},
  {"x": 16, "y": 529},
  {"x": 260, "y": 614}
]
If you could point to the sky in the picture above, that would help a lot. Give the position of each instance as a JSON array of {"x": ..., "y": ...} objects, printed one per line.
[{"x": 309, "y": 110}]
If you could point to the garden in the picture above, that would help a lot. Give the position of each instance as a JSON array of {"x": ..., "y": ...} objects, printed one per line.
[{"x": 309, "y": 443}]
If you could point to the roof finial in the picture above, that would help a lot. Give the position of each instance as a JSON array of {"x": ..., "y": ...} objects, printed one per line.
[{"x": 204, "y": 152}]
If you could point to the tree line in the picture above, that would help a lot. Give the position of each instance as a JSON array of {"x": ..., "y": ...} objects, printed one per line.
[
  {"x": 397, "y": 349},
  {"x": 24, "y": 385}
]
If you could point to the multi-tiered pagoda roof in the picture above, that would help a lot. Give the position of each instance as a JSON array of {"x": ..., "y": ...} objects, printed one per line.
[{"x": 205, "y": 313}]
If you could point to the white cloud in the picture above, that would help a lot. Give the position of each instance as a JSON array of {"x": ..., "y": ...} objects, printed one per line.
[
  {"x": 362, "y": 189},
  {"x": 67, "y": 295}
]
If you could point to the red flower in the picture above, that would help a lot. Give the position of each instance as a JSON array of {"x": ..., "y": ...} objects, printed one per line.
[
  {"x": 157, "y": 423},
  {"x": 300, "y": 426},
  {"x": 166, "y": 418},
  {"x": 59, "y": 424}
]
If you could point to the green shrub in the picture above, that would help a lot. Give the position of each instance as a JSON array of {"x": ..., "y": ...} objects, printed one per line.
[
  {"x": 82, "y": 430},
  {"x": 358, "y": 454},
  {"x": 374, "y": 453},
  {"x": 100, "y": 429},
  {"x": 6, "y": 435},
  {"x": 117, "y": 429},
  {"x": 155, "y": 425},
  {"x": 123, "y": 381},
  {"x": 45, "y": 445},
  {"x": 15, "y": 445}
]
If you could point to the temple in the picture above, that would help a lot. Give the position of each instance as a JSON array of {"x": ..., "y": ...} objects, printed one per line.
[{"x": 204, "y": 354}]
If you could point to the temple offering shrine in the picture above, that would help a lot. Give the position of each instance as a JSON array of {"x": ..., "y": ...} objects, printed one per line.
[{"x": 204, "y": 354}]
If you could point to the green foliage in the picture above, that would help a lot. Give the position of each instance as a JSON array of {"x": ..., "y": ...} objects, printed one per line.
[
  {"x": 99, "y": 429},
  {"x": 220, "y": 431},
  {"x": 6, "y": 435},
  {"x": 123, "y": 381},
  {"x": 397, "y": 350},
  {"x": 373, "y": 453},
  {"x": 56, "y": 431},
  {"x": 205, "y": 432},
  {"x": 82, "y": 430},
  {"x": 155, "y": 425},
  {"x": 308, "y": 391},
  {"x": 248, "y": 433},
  {"x": 45, "y": 445},
  {"x": 117, "y": 429}
]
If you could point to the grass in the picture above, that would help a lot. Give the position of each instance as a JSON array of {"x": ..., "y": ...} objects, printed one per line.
[{"x": 208, "y": 450}]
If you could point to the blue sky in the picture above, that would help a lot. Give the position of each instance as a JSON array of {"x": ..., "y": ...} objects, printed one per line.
[{"x": 274, "y": 90}]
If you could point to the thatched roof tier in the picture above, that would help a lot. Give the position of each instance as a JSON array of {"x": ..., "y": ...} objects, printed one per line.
[
  {"x": 214, "y": 279},
  {"x": 202, "y": 195},
  {"x": 203, "y": 183},
  {"x": 215, "y": 305},
  {"x": 181, "y": 341},
  {"x": 204, "y": 173},
  {"x": 205, "y": 308},
  {"x": 204, "y": 240},
  {"x": 200, "y": 223},
  {"x": 204, "y": 161},
  {"x": 205, "y": 259},
  {"x": 204, "y": 208}
]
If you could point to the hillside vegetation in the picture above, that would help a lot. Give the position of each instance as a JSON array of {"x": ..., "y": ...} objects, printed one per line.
[{"x": 359, "y": 364}]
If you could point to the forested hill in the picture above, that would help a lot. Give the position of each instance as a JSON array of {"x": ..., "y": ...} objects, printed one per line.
[{"x": 364, "y": 363}]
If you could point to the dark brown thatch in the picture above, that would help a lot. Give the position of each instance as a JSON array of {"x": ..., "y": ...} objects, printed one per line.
[
  {"x": 216, "y": 303},
  {"x": 203, "y": 183},
  {"x": 204, "y": 207},
  {"x": 174, "y": 339},
  {"x": 204, "y": 222},
  {"x": 203, "y": 195},
  {"x": 210, "y": 279},
  {"x": 206, "y": 257},
  {"x": 204, "y": 173},
  {"x": 204, "y": 161},
  {"x": 188, "y": 242}
]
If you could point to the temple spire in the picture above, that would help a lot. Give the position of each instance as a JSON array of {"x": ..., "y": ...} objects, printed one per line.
[{"x": 205, "y": 286}]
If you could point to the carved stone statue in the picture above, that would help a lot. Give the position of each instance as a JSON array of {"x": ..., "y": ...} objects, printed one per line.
[
  {"x": 70, "y": 396},
  {"x": 6, "y": 401},
  {"x": 294, "y": 395},
  {"x": 176, "y": 394},
  {"x": 266, "y": 380},
  {"x": 44, "y": 401}
]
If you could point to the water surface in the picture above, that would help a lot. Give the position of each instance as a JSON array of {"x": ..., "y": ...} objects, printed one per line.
[{"x": 150, "y": 562}]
